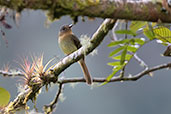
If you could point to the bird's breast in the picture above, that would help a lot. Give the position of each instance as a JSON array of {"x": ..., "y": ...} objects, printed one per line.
[{"x": 66, "y": 44}]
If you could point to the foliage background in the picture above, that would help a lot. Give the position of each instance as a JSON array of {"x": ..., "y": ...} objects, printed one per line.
[{"x": 147, "y": 95}]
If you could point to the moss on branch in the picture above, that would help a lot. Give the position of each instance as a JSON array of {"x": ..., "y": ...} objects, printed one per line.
[{"x": 143, "y": 10}]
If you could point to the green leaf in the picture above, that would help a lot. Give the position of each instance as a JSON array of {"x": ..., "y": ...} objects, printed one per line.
[
  {"x": 115, "y": 43},
  {"x": 148, "y": 33},
  {"x": 135, "y": 25},
  {"x": 129, "y": 32},
  {"x": 123, "y": 55},
  {"x": 127, "y": 57},
  {"x": 161, "y": 42},
  {"x": 139, "y": 41},
  {"x": 153, "y": 24},
  {"x": 114, "y": 63},
  {"x": 132, "y": 49},
  {"x": 116, "y": 51},
  {"x": 104, "y": 83},
  {"x": 162, "y": 33},
  {"x": 115, "y": 70},
  {"x": 4, "y": 97}
]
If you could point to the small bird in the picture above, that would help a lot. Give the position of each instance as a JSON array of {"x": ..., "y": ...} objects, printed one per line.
[{"x": 69, "y": 43}]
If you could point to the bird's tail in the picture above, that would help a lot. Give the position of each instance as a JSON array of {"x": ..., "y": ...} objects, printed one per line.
[{"x": 85, "y": 71}]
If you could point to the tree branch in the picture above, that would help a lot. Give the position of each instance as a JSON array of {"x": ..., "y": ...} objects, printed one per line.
[
  {"x": 37, "y": 82},
  {"x": 9, "y": 74},
  {"x": 141, "y": 62},
  {"x": 143, "y": 10},
  {"x": 49, "y": 108},
  {"x": 118, "y": 78},
  {"x": 95, "y": 41}
]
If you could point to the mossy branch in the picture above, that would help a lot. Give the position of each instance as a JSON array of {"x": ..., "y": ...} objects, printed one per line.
[{"x": 143, "y": 10}]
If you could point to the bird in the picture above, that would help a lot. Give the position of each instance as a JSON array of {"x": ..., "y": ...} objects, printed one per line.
[{"x": 69, "y": 43}]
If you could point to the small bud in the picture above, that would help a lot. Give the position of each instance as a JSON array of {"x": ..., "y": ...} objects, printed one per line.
[{"x": 151, "y": 74}]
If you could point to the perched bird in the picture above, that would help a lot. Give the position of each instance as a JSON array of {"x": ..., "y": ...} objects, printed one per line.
[{"x": 69, "y": 43}]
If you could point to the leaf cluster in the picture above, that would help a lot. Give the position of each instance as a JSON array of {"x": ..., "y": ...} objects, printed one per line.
[{"x": 126, "y": 48}]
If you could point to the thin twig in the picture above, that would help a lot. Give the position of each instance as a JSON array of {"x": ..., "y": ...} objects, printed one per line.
[
  {"x": 126, "y": 28},
  {"x": 114, "y": 38},
  {"x": 118, "y": 78},
  {"x": 122, "y": 73},
  {"x": 9, "y": 74},
  {"x": 49, "y": 108},
  {"x": 141, "y": 62}
]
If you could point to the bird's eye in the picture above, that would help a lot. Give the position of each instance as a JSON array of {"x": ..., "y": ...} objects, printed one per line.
[{"x": 64, "y": 28}]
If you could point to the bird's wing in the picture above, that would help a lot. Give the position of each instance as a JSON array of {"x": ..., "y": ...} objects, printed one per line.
[{"x": 76, "y": 41}]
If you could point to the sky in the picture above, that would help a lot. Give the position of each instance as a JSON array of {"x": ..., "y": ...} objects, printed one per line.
[{"x": 149, "y": 95}]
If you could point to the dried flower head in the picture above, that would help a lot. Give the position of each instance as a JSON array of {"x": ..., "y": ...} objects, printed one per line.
[
  {"x": 27, "y": 69},
  {"x": 34, "y": 71},
  {"x": 41, "y": 69}
]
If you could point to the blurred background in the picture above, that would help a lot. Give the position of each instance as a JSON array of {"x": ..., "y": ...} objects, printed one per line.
[{"x": 149, "y": 95}]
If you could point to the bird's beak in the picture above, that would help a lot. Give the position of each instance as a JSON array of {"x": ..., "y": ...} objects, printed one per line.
[{"x": 70, "y": 26}]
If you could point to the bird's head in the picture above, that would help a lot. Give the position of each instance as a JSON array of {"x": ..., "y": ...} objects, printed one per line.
[{"x": 65, "y": 29}]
